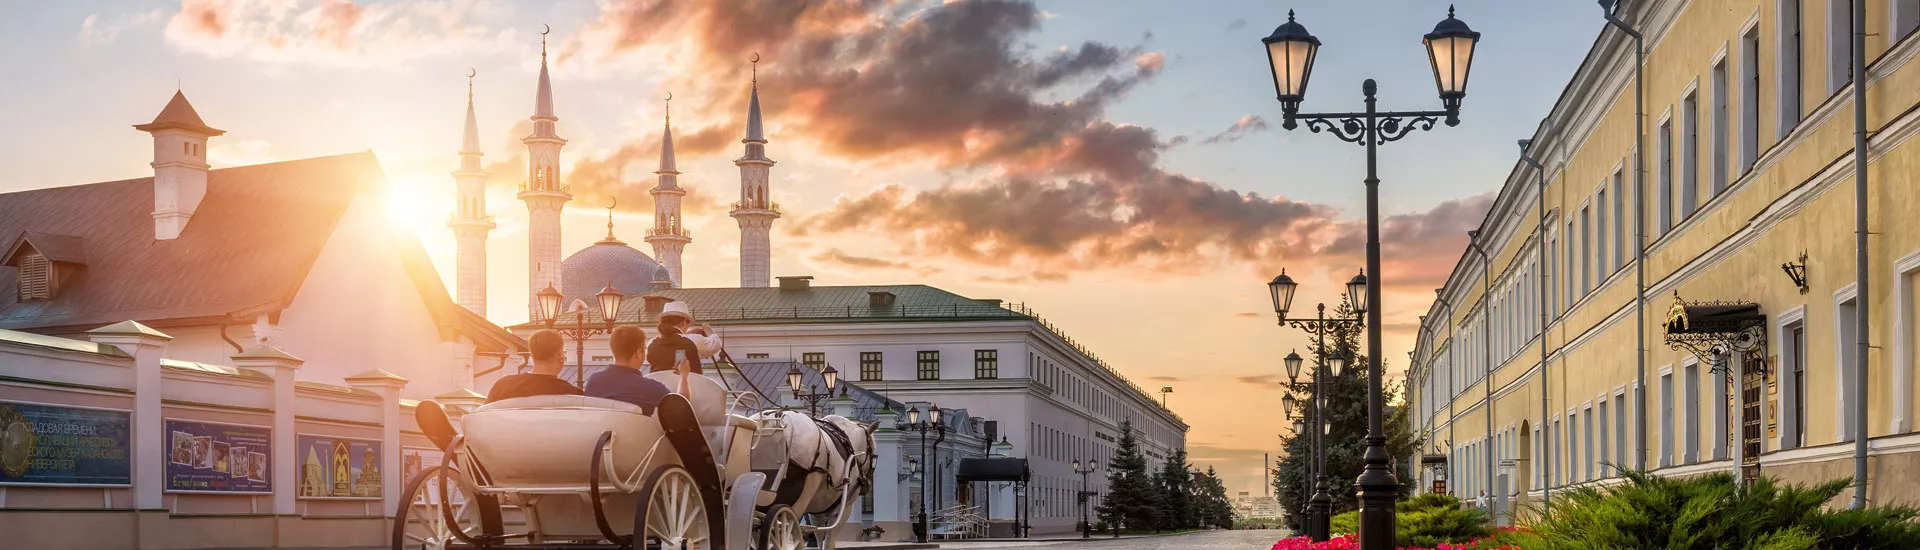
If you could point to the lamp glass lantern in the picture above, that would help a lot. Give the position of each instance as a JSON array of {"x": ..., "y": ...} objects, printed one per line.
[
  {"x": 1450, "y": 49},
  {"x": 1299, "y": 426},
  {"x": 913, "y": 416},
  {"x": 1286, "y": 404},
  {"x": 832, "y": 376},
  {"x": 1282, "y": 289},
  {"x": 609, "y": 303},
  {"x": 793, "y": 381},
  {"x": 1290, "y": 54},
  {"x": 549, "y": 300},
  {"x": 933, "y": 415},
  {"x": 1357, "y": 292},
  {"x": 1293, "y": 361},
  {"x": 1337, "y": 362}
]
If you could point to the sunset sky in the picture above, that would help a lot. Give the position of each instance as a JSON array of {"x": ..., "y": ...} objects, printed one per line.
[{"x": 1118, "y": 166}]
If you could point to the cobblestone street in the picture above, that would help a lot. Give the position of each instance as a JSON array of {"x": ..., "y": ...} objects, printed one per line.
[{"x": 1207, "y": 540}]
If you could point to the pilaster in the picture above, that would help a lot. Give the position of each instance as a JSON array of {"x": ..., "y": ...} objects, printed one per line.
[
  {"x": 281, "y": 366},
  {"x": 147, "y": 346},
  {"x": 388, "y": 386}
]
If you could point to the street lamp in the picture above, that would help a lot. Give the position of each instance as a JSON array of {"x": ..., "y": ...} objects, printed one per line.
[
  {"x": 1290, "y": 54},
  {"x": 1319, "y": 511},
  {"x": 1086, "y": 527},
  {"x": 549, "y": 300},
  {"x": 931, "y": 469},
  {"x": 812, "y": 397}
]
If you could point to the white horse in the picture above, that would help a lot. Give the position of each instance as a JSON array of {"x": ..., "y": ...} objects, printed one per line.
[{"x": 829, "y": 462}]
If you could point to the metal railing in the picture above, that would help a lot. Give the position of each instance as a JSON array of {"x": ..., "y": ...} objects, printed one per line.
[
  {"x": 962, "y": 522},
  {"x": 756, "y": 205}
]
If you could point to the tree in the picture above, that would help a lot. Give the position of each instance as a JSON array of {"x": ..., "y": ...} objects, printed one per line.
[
  {"x": 1176, "y": 493},
  {"x": 1211, "y": 507},
  {"x": 1345, "y": 439},
  {"x": 1130, "y": 498}
]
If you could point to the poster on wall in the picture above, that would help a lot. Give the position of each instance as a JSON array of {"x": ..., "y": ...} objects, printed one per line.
[
  {"x": 53, "y": 445},
  {"x": 220, "y": 458},
  {"x": 414, "y": 460},
  {"x": 337, "y": 467}
]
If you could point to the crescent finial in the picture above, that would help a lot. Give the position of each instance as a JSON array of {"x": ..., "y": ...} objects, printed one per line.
[
  {"x": 669, "y": 96},
  {"x": 471, "y": 73},
  {"x": 756, "y": 58},
  {"x": 545, "y": 28}
]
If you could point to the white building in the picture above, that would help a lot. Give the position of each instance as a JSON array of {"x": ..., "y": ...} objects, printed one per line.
[
  {"x": 1018, "y": 375},
  {"x": 297, "y": 255}
]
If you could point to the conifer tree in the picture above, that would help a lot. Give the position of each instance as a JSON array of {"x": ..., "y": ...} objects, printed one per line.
[
  {"x": 1130, "y": 499},
  {"x": 1176, "y": 493},
  {"x": 1211, "y": 505}
]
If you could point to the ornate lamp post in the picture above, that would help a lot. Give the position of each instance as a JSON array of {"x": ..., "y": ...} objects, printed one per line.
[
  {"x": 1320, "y": 507},
  {"x": 812, "y": 397},
  {"x": 930, "y": 468},
  {"x": 579, "y": 331},
  {"x": 1086, "y": 527},
  {"x": 1290, "y": 55}
]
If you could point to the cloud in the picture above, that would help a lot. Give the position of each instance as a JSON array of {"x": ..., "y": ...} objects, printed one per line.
[
  {"x": 1164, "y": 378},
  {"x": 1246, "y": 125},
  {"x": 1247, "y": 314},
  {"x": 327, "y": 32},
  {"x": 835, "y": 256},
  {"x": 1263, "y": 381},
  {"x": 95, "y": 30},
  {"x": 1237, "y": 24}
]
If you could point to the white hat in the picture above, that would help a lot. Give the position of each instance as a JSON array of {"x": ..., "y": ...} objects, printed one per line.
[{"x": 676, "y": 309}]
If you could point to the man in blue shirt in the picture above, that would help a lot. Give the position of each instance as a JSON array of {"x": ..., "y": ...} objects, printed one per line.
[{"x": 625, "y": 381}]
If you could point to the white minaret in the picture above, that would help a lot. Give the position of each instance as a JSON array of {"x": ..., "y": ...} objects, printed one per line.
[
  {"x": 179, "y": 165},
  {"x": 755, "y": 211},
  {"x": 668, "y": 236},
  {"x": 543, "y": 191},
  {"x": 470, "y": 221}
]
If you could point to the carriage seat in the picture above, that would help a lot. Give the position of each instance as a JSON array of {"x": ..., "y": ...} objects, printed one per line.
[{"x": 548, "y": 441}]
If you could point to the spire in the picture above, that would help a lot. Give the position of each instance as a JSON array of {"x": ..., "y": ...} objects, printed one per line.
[
  {"x": 667, "y": 166},
  {"x": 754, "y": 132},
  {"x": 543, "y": 97},
  {"x": 470, "y": 141},
  {"x": 178, "y": 114},
  {"x": 610, "y": 238}
]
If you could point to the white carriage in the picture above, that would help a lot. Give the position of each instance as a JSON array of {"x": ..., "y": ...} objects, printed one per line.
[{"x": 708, "y": 470}]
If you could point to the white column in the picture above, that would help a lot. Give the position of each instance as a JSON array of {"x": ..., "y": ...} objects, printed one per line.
[
  {"x": 146, "y": 346},
  {"x": 278, "y": 364},
  {"x": 388, "y": 386},
  {"x": 888, "y": 501}
]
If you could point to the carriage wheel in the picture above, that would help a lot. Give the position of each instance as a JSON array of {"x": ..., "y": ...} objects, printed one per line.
[
  {"x": 676, "y": 515},
  {"x": 781, "y": 530},
  {"x": 420, "y": 523}
]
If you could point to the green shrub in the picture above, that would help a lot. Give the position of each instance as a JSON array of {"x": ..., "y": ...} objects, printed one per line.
[
  {"x": 1426, "y": 520},
  {"x": 1713, "y": 512}
]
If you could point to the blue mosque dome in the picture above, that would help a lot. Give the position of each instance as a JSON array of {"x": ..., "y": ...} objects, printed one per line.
[{"x": 608, "y": 262}]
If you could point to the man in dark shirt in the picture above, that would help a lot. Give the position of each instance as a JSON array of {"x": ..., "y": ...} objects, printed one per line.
[
  {"x": 624, "y": 381},
  {"x": 680, "y": 341},
  {"x": 549, "y": 352}
]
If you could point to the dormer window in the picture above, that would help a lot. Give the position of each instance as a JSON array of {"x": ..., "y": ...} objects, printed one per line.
[{"x": 36, "y": 277}]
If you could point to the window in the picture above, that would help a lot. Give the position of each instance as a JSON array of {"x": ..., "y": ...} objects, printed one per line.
[
  {"x": 1570, "y": 279},
  {"x": 1559, "y": 451},
  {"x": 1663, "y": 179},
  {"x": 1620, "y": 216},
  {"x": 36, "y": 277},
  {"x": 1749, "y": 98},
  {"x": 1588, "y": 460},
  {"x": 1601, "y": 259},
  {"x": 1844, "y": 330},
  {"x": 986, "y": 363},
  {"x": 814, "y": 360},
  {"x": 1586, "y": 250},
  {"x": 757, "y": 356},
  {"x": 1795, "y": 352},
  {"x": 870, "y": 367},
  {"x": 1690, "y": 385},
  {"x": 1620, "y": 430},
  {"x": 1573, "y": 447},
  {"x": 1718, "y": 179},
  {"x": 1719, "y": 406},
  {"x": 1789, "y": 75},
  {"x": 1904, "y": 16},
  {"x": 928, "y": 365},
  {"x": 1666, "y": 419},
  {"x": 1602, "y": 439},
  {"x": 1839, "y": 44},
  {"x": 1689, "y": 155}
]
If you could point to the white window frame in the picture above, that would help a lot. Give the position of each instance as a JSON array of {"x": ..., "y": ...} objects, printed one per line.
[
  {"x": 1903, "y": 343},
  {"x": 1789, "y": 64},
  {"x": 1601, "y": 257},
  {"x": 1690, "y": 409},
  {"x": 1590, "y": 461},
  {"x": 1839, "y": 44},
  {"x": 1587, "y": 265},
  {"x": 1604, "y": 436},
  {"x": 1620, "y": 399},
  {"x": 1843, "y": 369},
  {"x": 1689, "y": 161},
  {"x": 1789, "y": 436},
  {"x": 1663, "y": 175},
  {"x": 1750, "y": 95},
  {"x": 1720, "y": 127},
  {"x": 1620, "y": 216},
  {"x": 1666, "y": 416},
  {"x": 1573, "y": 446}
]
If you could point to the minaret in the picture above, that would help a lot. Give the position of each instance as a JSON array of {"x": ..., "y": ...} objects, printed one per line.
[
  {"x": 668, "y": 236},
  {"x": 470, "y": 221},
  {"x": 543, "y": 191},
  {"x": 755, "y": 211}
]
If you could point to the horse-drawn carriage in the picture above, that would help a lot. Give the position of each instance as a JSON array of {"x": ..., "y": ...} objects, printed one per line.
[{"x": 710, "y": 469}]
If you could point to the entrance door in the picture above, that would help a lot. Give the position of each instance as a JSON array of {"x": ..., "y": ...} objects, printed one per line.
[{"x": 1752, "y": 389}]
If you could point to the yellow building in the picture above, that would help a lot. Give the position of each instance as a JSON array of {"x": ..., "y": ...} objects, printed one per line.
[{"x": 1750, "y": 125}]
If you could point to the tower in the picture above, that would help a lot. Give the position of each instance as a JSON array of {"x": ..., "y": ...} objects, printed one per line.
[
  {"x": 755, "y": 211},
  {"x": 179, "y": 165},
  {"x": 668, "y": 236},
  {"x": 470, "y": 221},
  {"x": 543, "y": 191}
]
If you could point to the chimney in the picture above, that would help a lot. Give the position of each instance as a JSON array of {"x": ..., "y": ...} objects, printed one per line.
[
  {"x": 179, "y": 165},
  {"x": 796, "y": 282},
  {"x": 656, "y": 303},
  {"x": 995, "y": 302},
  {"x": 880, "y": 298}
]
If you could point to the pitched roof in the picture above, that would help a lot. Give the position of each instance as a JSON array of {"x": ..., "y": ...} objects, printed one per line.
[
  {"x": 840, "y": 303},
  {"x": 59, "y": 248},
  {"x": 178, "y": 114}
]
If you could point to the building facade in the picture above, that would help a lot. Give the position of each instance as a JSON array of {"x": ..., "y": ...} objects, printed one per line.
[{"x": 1748, "y": 367}]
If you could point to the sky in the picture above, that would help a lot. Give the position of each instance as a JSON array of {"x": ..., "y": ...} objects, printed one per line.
[{"x": 1118, "y": 166}]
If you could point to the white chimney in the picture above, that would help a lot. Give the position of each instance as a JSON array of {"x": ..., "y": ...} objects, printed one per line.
[{"x": 179, "y": 165}]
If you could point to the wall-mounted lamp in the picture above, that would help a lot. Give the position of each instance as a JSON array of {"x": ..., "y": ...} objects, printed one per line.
[{"x": 1797, "y": 271}]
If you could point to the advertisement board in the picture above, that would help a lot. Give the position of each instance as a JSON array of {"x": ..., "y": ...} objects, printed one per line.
[
  {"x": 218, "y": 458},
  {"x": 338, "y": 467},
  {"x": 56, "y": 445}
]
